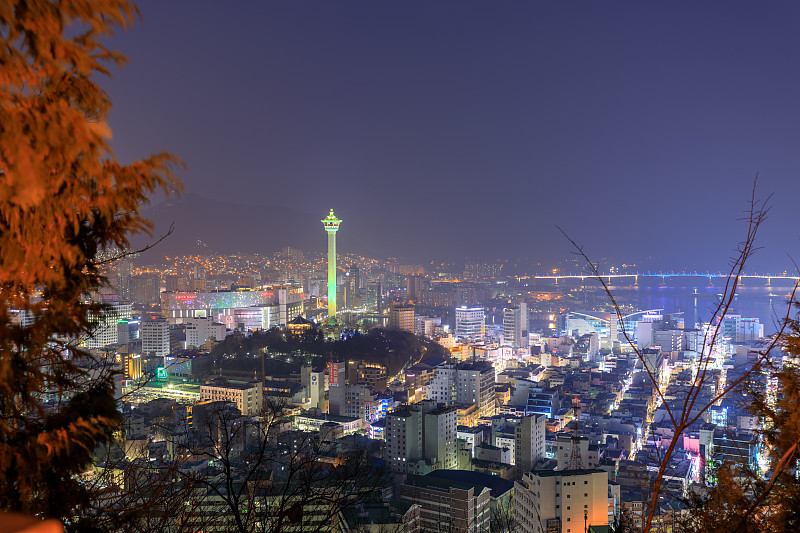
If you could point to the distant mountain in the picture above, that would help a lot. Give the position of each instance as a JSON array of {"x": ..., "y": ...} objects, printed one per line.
[{"x": 227, "y": 227}]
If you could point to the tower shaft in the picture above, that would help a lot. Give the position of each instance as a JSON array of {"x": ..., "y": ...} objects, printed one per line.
[{"x": 331, "y": 274}]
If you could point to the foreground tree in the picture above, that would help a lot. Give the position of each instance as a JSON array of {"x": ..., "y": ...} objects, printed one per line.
[
  {"x": 743, "y": 499},
  {"x": 63, "y": 198},
  {"x": 685, "y": 405}
]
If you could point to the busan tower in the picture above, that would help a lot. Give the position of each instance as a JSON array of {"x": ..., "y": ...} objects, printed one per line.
[{"x": 331, "y": 224}]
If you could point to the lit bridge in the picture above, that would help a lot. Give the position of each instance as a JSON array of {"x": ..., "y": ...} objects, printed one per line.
[{"x": 663, "y": 276}]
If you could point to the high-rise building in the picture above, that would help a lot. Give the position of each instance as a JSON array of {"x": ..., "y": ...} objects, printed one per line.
[
  {"x": 290, "y": 302},
  {"x": 515, "y": 326},
  {"x": 529, "y": 445},
  {"x": 470, "y": 322},
  {"x": 155, "y": 336},
  {"x": 145, "y": 289},
  {"x": 402, "y": 317},
  {"x": 106, "y": 326},
  {"x": 331, "y": 224},
  {"x": 465, "y": 383},
  {"x": 337, "y": 380},
  {"x": 356, "y": 398},
  {"x": 561, "y": 501},
  {"x": 414, "y": 287},
  {"x": 355, "y": 279},
  {"x": 421, "y": 438},
  {"x": 350, "y": 289},
  {"x": 124, "y": 275},
  {"x": 373, "y": 298}
]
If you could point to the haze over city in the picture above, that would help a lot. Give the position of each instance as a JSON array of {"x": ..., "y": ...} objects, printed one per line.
[{"x": 444, "y": 131}]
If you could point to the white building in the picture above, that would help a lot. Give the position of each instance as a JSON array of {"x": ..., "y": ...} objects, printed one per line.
[
  {"x": 515, "y": 326},
  {"x": 155, "y": 336},
  {"x": 470, "y": 323},
  {"x": 742, "y": 329},
  {"x": 566, "y": 501},
  {"x": 199, "y": 330},
  {"x": 106, "y": 331}
]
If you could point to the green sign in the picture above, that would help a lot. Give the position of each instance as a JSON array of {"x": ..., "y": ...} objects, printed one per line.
[{"x": 161, "y": 373}]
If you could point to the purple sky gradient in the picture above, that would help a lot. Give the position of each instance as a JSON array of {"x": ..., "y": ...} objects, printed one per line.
[{"x": 448, "y": 129}]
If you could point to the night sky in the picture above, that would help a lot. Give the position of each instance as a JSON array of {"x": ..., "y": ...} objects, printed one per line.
[{"x": 455, "y": 129}]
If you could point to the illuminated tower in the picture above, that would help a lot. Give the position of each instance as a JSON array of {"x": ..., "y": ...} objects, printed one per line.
[{"x": 331, "y": 224}]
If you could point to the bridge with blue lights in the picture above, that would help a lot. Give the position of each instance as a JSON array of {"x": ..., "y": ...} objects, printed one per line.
[{"x": 663, "y": 276}]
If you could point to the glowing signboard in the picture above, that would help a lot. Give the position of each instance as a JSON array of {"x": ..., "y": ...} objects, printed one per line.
[
  {"x": 333, "y": 374},
  {"x": 161, "y": 372}
]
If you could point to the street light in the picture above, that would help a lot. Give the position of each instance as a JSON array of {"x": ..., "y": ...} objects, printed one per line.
[{"x": 585, "y": 517}]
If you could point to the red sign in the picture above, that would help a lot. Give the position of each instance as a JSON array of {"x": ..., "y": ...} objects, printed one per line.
[{"x": 333, "y": 374}]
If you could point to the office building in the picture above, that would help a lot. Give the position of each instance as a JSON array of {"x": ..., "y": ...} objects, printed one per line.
[
  {"x": 470, "y": 323},
  {"x": 106, "y": 330},
  {"x": 515, "y": 326},
  {"x": 155, "y": 336},
  {"x": 402, "y": 317}
]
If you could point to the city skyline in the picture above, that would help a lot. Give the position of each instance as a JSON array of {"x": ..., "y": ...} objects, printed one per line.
[{"x": 637, "y": 128}]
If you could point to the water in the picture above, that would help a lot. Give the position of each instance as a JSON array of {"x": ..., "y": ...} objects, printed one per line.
[{"x": 697, "y": 302}]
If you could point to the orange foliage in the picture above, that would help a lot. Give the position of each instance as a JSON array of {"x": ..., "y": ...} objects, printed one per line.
[{"x": 63, "y": 198}]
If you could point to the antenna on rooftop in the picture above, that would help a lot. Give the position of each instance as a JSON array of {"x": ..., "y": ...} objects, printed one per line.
[{"x": 575, "y": 462}]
